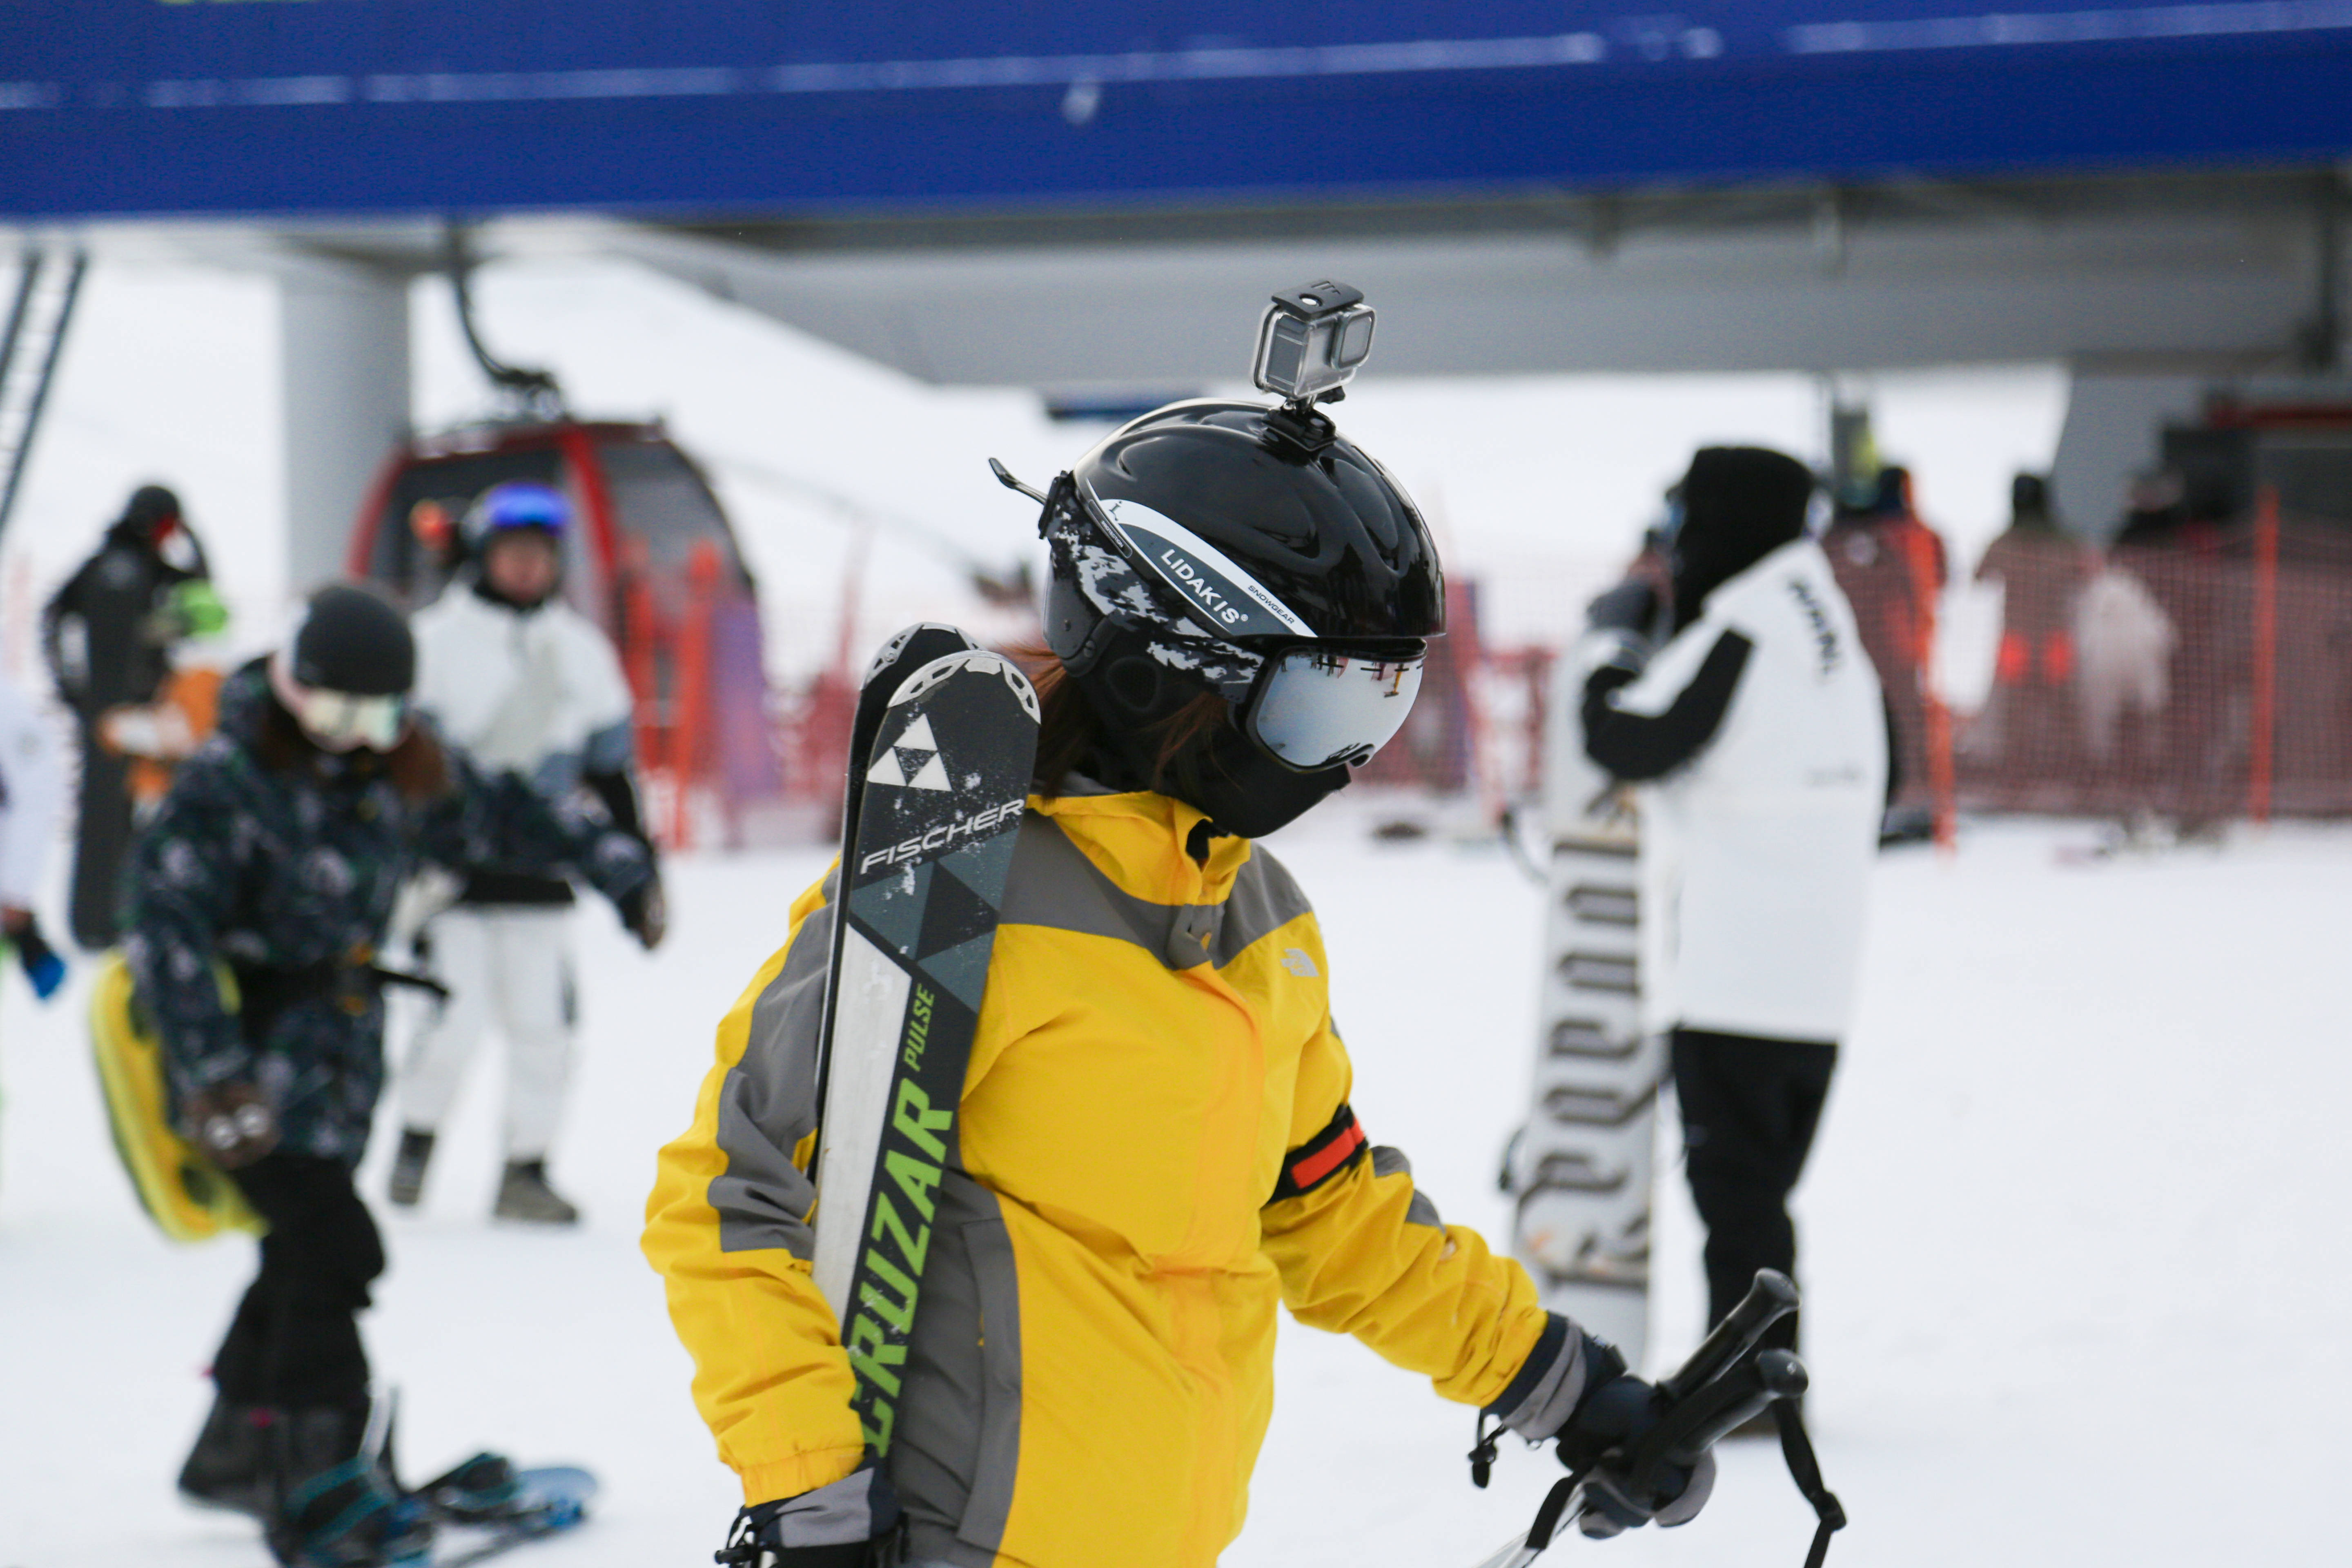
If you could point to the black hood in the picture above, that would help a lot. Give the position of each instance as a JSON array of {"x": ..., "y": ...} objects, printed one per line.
[{"x": 1739, "y": 504}]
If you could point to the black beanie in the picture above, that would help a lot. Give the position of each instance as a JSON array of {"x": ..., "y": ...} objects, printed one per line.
[
  {"x": 151, "y": 504},
  {"x": 351, "y": 641},
  {"x": 1739, "y": 504}
]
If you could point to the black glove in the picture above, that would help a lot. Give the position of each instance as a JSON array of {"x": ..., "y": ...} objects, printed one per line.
[
  {"x": 1575, "y": 1388},
  {"x": 233, "y": 1123},
  {"x": 1608, "y": 1423},
  {"x": 645, "y": 912},
  {"x": 833, "y": 1527},
  {"x": 1631, "y": 606}
]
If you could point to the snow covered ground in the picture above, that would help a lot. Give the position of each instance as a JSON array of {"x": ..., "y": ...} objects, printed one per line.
[{"x": 2074, "y": 1235}]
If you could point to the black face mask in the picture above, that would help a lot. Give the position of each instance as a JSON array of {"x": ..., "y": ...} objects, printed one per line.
[{"x": 1246, "y": 792}]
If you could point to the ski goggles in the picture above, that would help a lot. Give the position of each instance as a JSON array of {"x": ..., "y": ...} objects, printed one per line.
[
  {"x": 341, "y": 721},
  {"x": 1316, "y": 705}
]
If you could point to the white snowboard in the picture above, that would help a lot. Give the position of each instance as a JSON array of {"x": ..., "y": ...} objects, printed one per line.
[{"x": 1583, "y": 1168}]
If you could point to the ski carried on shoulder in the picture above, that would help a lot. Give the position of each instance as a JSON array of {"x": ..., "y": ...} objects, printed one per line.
[{"x": 938, "y": 781}]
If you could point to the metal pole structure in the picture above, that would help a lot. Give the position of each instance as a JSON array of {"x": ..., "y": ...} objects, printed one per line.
[
  {"x": 2265, "y": 705},
  {"x": 25, "y": 282},
  {"x": 41, "y": 388}
]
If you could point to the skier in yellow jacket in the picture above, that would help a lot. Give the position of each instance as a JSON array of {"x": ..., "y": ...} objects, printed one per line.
[{"x": 1155, "y": 1142}]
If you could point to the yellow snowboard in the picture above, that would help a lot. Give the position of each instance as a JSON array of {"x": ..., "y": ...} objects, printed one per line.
[{"x": 180, "y": 1189}]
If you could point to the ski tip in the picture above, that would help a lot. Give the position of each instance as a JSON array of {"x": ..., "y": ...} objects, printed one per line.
[
  {"x": 895, "y": 648},
  {"x": 978, "y": 661}
]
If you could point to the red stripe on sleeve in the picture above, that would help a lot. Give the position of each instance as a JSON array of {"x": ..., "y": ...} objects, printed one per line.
[{"x": 1310, "y": 1169}]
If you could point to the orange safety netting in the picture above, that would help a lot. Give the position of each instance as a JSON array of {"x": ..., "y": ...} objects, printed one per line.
[{"x": 2203, "y": 676}]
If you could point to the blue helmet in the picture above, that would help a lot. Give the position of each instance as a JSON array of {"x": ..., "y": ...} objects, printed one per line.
[{"x": 518, "y": 503}]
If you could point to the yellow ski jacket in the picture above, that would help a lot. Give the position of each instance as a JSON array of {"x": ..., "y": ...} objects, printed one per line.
[{"x": 1157, "y": 1147}]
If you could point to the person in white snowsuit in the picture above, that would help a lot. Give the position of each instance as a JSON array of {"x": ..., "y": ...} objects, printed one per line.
[
  {"x": 1758, "y": 735},
  {"x": 32, "y": 789},
  {"x": 524, "y": 683},
  {"x": 32, "y": 794}
]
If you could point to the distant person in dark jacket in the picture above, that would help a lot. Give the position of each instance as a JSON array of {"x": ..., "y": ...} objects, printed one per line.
[{"x": 108, "y": 635}]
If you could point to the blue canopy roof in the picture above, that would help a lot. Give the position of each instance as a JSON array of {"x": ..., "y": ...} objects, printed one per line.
[{"x": 365, "y": 106}]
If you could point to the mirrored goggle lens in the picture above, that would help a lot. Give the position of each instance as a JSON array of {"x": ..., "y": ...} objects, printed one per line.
[
  {"x": 1316, "y": 707},
  {"x": 338, "y": 720}
]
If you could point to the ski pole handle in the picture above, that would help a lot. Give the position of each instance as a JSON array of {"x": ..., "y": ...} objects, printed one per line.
[
  {"x": 1772, "y": 1298},
  {"x": 1694, "y": 1426}
]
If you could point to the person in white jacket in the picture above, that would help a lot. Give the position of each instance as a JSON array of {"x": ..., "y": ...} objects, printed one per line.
[
  {"x": 32, "y": 793},
  {"x": 1758, "y": 736},
  {"x": 522, "y": 682}
]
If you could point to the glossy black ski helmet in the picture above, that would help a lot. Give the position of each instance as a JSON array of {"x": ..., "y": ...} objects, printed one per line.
[{"x": 1200, "y": 542}]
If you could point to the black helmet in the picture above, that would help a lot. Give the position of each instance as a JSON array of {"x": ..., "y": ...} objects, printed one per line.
[
  {"x": 346, "y": 672},
  {"x": 1227, "y": 548}
]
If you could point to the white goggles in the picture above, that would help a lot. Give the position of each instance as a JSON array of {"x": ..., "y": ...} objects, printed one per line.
[
  {"x": 1315, "y": 706},
  {"x": 341, "y": 721}
]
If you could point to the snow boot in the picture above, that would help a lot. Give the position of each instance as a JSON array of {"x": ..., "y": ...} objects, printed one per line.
[
  {"x": 407, "y": 1183},
  {"x": 524, "y": 1194},
  {"x": 232, "y": 1464},
  {"x": 339, "y": 1509}
]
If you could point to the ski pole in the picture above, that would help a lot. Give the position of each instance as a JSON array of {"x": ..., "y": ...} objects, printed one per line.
[
  {"x": 1693, "y": 1425},
  {"x": 1772, "y": 1297}
]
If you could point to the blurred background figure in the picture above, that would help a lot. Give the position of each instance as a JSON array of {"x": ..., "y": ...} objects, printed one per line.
[
  {"x": 2029, "y": 727},
  {"x": 108, "y": 635},
  {"x": 526, "y": 684},
  {"x": 1757, "y": 732},
  {"x": 1892, "y": 567},
  {"x": 32, "y": 789},
  {"x": 276, "y": 857}
]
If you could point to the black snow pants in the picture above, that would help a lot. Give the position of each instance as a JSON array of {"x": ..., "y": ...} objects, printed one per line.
[
  {"x": 1749, "y": 1109},
  {"x": 295, "y": 1342}
]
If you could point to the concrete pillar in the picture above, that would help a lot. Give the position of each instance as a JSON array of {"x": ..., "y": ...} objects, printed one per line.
[
  {"x": 2113, "y": 427},
  {"x": 343, "y": 371}
]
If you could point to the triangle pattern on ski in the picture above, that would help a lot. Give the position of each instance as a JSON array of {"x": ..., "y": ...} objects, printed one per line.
[
  {"x": 917, "y": 748},
  {"x": 894, "y": 906},
  {"x": 982, "y": 867},
  {"x": 964, "y": 969}
]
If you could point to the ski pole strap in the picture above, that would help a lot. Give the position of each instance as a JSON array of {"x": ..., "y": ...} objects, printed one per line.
[
  {"x": 1482, "y": 1456},
  {"x": 1555, "y": 1511},
  {"x": 1805, "y": 1470}
]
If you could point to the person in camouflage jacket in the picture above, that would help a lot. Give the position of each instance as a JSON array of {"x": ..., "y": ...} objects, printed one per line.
[
  {"x": 284, "y": 867},
  {"x": 273, "y": 863}
]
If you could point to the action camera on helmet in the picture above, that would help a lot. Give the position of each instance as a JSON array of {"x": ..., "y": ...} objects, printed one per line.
[{"x": 1311, "y": 341}]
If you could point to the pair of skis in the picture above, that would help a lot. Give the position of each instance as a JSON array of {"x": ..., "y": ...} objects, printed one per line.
[
  {"x": 1724, "y": 1384},
  {"x": 941, "y": 754}
]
